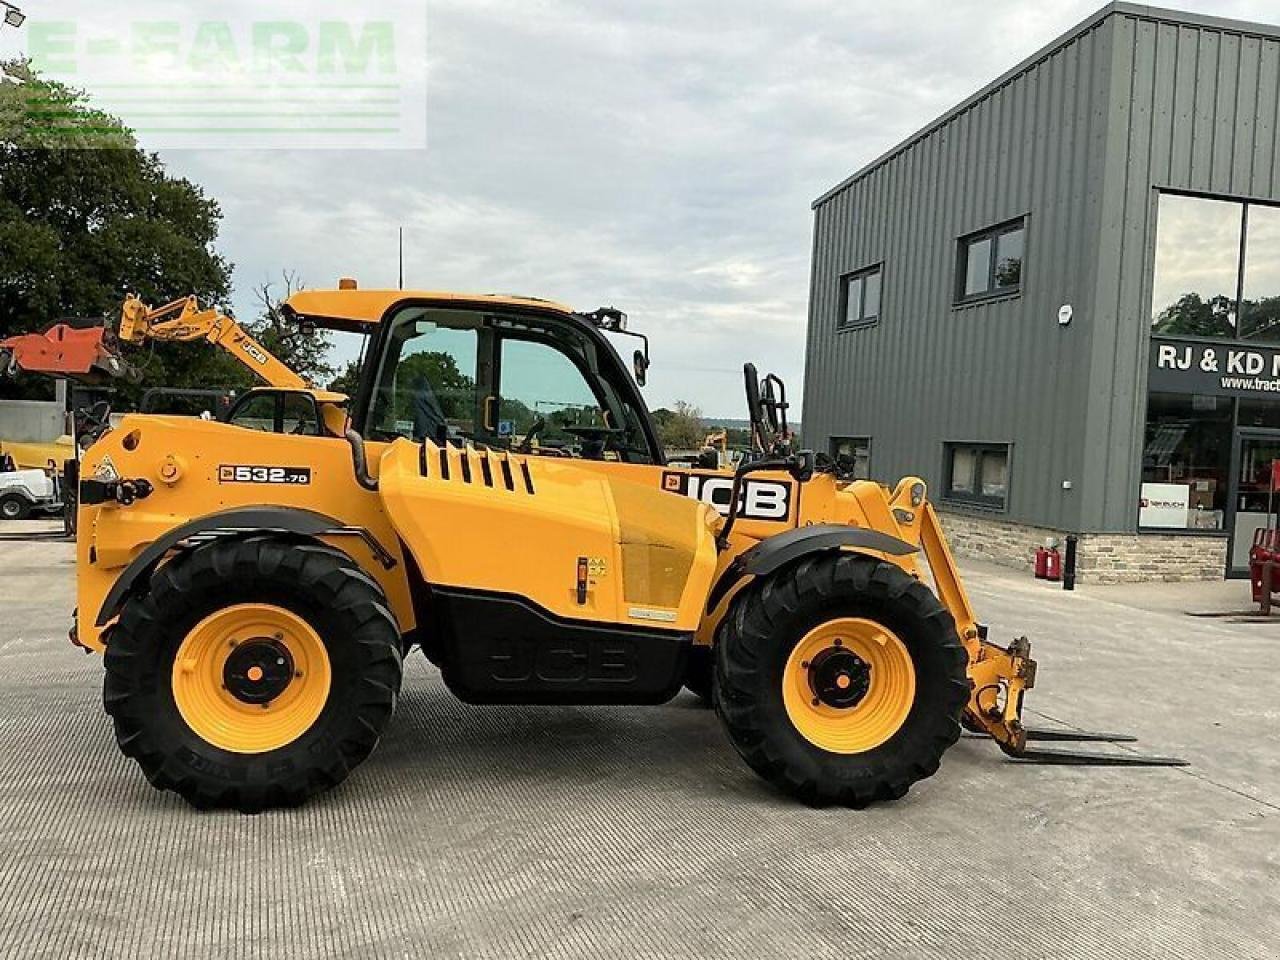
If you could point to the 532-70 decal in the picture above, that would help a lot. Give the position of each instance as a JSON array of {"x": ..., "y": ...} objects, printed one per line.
[
  {"x": 248, "y": 473},
  {"x": 761, "y": 499}
]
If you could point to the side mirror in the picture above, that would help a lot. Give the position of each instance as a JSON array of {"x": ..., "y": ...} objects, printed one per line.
[{"x": 640, "y": 367}]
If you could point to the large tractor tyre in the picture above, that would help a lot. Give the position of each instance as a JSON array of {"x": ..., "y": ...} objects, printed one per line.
[
  {"x": 698, "y": 671},
  {"x": 255, "y": 673},
  {"x": 841, "y": 680},
  {"x": 14, "y": 506}
]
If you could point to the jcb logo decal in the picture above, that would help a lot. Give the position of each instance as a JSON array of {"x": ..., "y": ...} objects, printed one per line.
[
  {"x": 243, "y": 473},
  {"x": 252, "y": 350},
  {"x": 761, "y": 499}
]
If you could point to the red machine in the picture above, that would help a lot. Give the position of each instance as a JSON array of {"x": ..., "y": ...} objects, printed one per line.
[
  {"x": 86, "y": 354},
  {"x": 1264, "y": 556}
]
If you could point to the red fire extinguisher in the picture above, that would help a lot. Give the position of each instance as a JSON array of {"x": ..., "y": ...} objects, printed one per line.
[
  {"x": 1042, "y": 563},
  {"x": 1053, "y": 565}
]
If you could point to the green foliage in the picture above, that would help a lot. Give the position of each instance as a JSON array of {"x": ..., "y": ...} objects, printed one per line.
[
  {"x": 86, "y": 216},
  {"x": 681, "y": 428},
  {"x": 347, "y": 380},
  {"x": 1261, "y": 319},
  {"x": 1192, "y": 316},
  {"x": 454, "y": 390}
]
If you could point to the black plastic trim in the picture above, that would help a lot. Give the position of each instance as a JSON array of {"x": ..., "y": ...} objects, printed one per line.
[
  {"x": 292, "y": 520},
  {"x": 778, "y": 551},
  {"x": 504, "y": 648}
]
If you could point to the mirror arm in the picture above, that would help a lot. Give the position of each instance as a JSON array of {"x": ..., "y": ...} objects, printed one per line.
[{"x": 639, "y": 336}]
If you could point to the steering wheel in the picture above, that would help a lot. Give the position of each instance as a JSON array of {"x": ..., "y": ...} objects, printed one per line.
[
  {"x": 526, "y": 445},
  {"x": 594, "y": 439},
  {"x": 592, "y": 433}
]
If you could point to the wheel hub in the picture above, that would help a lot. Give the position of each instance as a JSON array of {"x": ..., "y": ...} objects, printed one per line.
[
  {"x": 258, "y": 670},
  {"x": 839, "y": 678}
]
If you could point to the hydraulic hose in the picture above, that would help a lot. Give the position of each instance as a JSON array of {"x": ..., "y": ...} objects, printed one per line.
[{"x": 359, "y": 461}]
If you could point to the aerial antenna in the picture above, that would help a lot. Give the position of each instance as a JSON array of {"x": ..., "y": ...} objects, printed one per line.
[{"x": 402, "y": 258}]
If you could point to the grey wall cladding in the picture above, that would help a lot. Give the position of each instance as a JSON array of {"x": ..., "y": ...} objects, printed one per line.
[
  {"x": 1000, "y": 372},
  {"x": 1078, "y": 138}
]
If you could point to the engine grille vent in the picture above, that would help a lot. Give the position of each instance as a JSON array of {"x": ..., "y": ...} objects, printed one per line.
[{"x": 484, "y": 467}]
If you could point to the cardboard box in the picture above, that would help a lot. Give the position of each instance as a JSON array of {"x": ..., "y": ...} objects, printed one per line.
[{"x": 1202, "y": 494}]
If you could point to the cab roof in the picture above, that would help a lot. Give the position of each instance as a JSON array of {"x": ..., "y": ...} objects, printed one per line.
[{"x": 354, "y": 307}]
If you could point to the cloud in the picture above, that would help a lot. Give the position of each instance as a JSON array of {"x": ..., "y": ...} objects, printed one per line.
[{"x": 659, "y": 156}]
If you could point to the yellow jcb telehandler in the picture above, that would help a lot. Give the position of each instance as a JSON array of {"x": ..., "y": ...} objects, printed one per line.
[{"x": 494, "y": 494}]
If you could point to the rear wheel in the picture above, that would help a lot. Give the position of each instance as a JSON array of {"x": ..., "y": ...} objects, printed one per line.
[
  {"x": 841, "y": 680},
  {"x": 14, "y": 507},
  {"x": 255, "y": 673}
]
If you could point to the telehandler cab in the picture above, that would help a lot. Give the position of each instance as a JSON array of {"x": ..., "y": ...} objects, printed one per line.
[{"x": 495, "y": 494}]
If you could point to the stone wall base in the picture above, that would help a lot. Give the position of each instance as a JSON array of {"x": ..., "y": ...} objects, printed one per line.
[{"x": 1101, "y": 557}]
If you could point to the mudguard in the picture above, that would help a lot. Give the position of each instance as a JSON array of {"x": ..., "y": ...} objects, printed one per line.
[
  {"x": 778, "y": 551},
  {"x": 237, "y": 522}
]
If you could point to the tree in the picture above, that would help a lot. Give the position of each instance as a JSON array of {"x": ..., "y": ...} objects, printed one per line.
[
  {"x": 1260, "y": 319},
  {"x": 347, "y": 380},
  {"x": 308, "y": 354},
  {"x": 437, "y": 371},
  {"x": 86, "y": 216},
  {"x": 681, "y": 428},
  {"x": 1190, "y": 315}
]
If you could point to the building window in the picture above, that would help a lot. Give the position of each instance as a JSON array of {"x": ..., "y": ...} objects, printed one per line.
[
  {"x": 1217, "y": 271},
  {"x": 852, "y": 456},
  {"x": 1260, "y": 289},
  {"x": 991, "y": 262},
  {"x": 1197, "y": 277},
  {"x": 1186, "y": 462},
  {"x": 860, "y": 298},
  {"x": 977, "y": 473}
]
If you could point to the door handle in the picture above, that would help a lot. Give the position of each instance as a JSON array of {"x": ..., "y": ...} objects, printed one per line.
[{"x": 489, "y": 403}]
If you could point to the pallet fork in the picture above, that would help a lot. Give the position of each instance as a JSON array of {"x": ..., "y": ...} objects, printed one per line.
[{"x": 1000, "y": 676}]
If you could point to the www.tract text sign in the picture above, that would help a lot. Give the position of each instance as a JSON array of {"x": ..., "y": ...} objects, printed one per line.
[{"x": 1218, "y": 369}]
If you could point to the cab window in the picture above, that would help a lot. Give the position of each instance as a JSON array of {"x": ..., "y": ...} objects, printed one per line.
[
  {"x": 509, "y": 381},
  {"x": 298, "y": 415},
  {"x": 258, "y": 412},
  {"x": 427, "y": 388},
  {"x": 277, "y": 411},
  {"x": 544, "y": 393}
]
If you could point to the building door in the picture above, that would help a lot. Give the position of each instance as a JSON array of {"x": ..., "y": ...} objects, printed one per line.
[{"x": 1254, "y": 502}]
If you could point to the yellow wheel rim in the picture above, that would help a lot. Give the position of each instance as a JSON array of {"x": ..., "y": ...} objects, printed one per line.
[
  {"x": 848, "y": 685},
  {"x": 251, "y": 678}
]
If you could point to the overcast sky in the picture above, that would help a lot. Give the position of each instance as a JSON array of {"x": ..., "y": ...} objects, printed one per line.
[{"x": 660, "y": 155}]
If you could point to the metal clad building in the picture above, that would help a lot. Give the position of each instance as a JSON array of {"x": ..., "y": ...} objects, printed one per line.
[{"x": 1001, "y": 265}]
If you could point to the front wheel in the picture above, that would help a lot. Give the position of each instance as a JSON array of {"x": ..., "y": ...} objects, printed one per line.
[
  {"x": 13, "y": 506},
  {"x": 841, "y": 680},
  {"x": 254, "y": 673}
]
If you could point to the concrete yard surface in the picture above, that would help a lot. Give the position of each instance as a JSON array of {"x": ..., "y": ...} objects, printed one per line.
[{"x": 637, "y": 832}]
